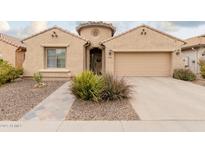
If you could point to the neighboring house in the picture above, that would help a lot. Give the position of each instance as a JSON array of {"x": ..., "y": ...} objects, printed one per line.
[
  {"x": 142, "y": 51},
  {"x": 193, "y": 51},
  {"x": 12, "y": 50}
]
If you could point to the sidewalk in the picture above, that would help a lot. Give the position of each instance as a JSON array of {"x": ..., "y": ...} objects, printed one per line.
[
  {"x": 54, "y": 108},
  {"x": 103, "y": 126}
]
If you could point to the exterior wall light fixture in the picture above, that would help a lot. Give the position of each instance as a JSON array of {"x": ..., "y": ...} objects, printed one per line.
[
  {"x": 177, "y": 53},
  {"x": 110, "y": 53}
]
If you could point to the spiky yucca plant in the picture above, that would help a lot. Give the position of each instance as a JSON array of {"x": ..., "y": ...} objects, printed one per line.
[{"x": 87, "y": 86}]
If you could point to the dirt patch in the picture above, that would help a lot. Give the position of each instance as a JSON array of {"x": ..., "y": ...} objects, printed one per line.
[
  {"x": 19, "y": 97},
  {"x": 117, "y": 110}
]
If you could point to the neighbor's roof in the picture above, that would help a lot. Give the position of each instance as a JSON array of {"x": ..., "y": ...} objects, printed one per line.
[
  {"x": 163, "y": 33},
  {"x": 55, "y": 27},
  {"x": 96, "y": 23},
  {"x": 196, "y": 41},
  {"x": 11, "y": 40}
]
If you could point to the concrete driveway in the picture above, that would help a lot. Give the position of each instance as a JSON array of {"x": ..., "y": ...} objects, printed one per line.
[{"x": 161, "y": 98}]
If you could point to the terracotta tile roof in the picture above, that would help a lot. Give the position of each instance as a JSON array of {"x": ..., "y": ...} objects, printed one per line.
[
  {"x": 96, "y": 23},
  {"x": 59, "y": 28},
  {"x": 11, "y": 40},
  {"x": 194, "y": 42},
  {"x": 163, "y": 33}
]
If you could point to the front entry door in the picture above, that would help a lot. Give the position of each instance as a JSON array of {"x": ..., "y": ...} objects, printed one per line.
[{"x": 96, "y": 60}]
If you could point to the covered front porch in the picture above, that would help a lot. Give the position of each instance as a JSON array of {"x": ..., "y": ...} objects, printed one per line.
[{"x": 95, "y": 59}]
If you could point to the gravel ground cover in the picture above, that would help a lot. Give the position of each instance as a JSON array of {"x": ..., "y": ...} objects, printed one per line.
[
  {"x": 117, "y": 110},
  {"x": 200, "y": 82},
  {"x": 19, "y": 97}
]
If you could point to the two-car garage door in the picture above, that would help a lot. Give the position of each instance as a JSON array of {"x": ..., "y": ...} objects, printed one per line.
[{"x": 142, "y": 63}]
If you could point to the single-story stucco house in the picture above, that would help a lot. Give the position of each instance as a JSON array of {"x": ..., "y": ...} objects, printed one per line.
[
  {"x": 193, "y": 51},
  {"x": 141, "y": 51},
  {"x": 12, "y": 50}
]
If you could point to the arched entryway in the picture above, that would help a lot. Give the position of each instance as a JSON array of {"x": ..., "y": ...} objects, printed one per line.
[{"x": 96, "y": 59}]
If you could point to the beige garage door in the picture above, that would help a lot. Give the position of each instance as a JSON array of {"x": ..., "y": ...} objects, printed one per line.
[{"x": 142, "y": 64}]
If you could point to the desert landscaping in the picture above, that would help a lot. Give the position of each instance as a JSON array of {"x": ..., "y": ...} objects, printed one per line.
[{"x": 19, "y": 97}]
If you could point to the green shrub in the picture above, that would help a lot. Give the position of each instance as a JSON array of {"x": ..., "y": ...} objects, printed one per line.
[
  {"x": 38, "y": 77},
  {"x": 87, "y": 86},
  {"x": 202, "y": 68},
  {"x": 19, "y": 71},
  {"x": 1, "y": 61},
  {"x": 115, "y": 89},
  {"x": 184, "y": 74},
  {"x": 7, "y": 72}
]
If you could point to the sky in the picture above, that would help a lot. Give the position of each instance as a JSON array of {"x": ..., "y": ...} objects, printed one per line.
[{"x": 180, "y": 29}]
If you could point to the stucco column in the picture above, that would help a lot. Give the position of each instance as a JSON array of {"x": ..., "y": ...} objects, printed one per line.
[
  {"x": 177, "y": 61},
  {"x": 109, "y": 62}
]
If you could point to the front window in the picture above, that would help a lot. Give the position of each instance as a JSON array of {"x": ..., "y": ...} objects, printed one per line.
[{"x": 56, "y": 57}]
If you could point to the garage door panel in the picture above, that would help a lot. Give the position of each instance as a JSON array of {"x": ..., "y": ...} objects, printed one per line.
[{"x": 142, "y": 64}]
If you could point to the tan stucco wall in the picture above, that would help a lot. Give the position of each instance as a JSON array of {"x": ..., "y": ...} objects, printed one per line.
[
  {"x": 103, "y": 33},
  {"x": 133, "y": 41},
  {"x": 35, "y": 58},
  {"x": 177, "y": 61},
  {"x": 8, "y": 52}
]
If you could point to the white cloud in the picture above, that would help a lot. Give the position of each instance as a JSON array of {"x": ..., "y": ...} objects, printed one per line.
[
  {"x": 178, "y": 29},
  {"x": 4, "y": 26},
  {"x": 33, "y": 28},
  {"x": 36, "y": 26},
  {"x": 168, "y": 26},
  {"x": 187, "y": 32},
  {"x": 123, "y": 26}
]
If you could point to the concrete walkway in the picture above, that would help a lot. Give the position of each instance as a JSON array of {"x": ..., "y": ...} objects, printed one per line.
[
  {"x": 103, "y": 126},
  {"x": 54, "y": 108}
]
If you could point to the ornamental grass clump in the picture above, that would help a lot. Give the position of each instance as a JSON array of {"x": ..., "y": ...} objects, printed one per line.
[
  {"x": 88, "y": 86},
  {"x": 115, "y": 89}
]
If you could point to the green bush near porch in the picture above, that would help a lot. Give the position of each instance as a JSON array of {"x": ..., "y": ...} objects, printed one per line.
[
  {"x": 8, "y": 73},
  {"x": 91, "y": 87},
  {"x": 87, "y": 86},
  {"x": 184, "y": 74}
]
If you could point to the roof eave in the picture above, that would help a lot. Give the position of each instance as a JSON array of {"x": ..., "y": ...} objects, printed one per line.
[
  {"x": 193, "y": 46},
  {"x": 10, "y": 43},
  {"x": 100, "y": 24},
  {"x": 143, "y": 25},
  {"x": 55, "y": 27}
]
